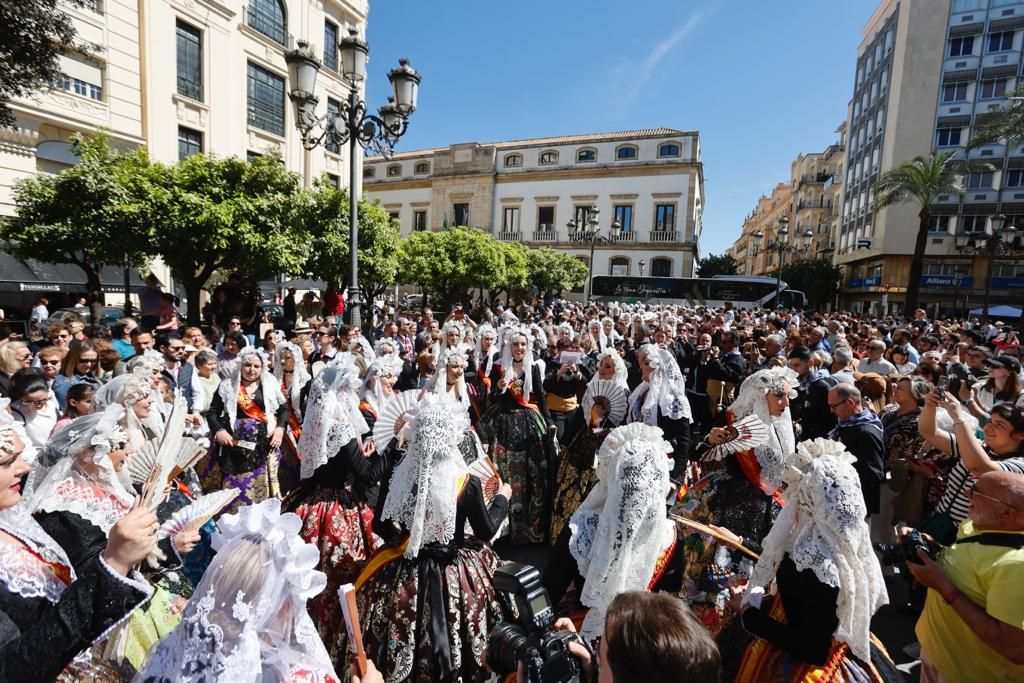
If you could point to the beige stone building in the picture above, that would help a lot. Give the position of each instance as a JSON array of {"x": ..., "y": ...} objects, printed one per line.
[
  {"x": 650, "y": 181},
  {"x": 764, "y": 219},
  {"x": 180, "y": 77}
]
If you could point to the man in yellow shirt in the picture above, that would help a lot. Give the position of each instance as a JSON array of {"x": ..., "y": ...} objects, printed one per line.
[{"x": 972, "y": 627}]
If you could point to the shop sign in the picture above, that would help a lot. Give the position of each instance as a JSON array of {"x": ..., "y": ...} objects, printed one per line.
[
  {"x": 38, "y": 287},
  {"x": 1008, "y": 282},
  {"x": 856, "y": 282},
  {"x": 873, "y": 281},
  {"x": 946, "y": 281}
]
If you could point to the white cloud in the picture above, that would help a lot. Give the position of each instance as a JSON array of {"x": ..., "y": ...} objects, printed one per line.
[{"x": 640, "y": 73}]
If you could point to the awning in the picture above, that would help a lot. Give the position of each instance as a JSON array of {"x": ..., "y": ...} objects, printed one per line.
[{"x": 30, "y": 275}]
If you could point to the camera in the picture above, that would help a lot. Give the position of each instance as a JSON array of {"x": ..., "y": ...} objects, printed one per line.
[
  {"x": 532, "y": 640},
  {"x": 904, "y": 551}
]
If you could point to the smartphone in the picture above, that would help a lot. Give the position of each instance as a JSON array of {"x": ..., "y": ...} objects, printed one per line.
[{"x": 943, "y": 384}]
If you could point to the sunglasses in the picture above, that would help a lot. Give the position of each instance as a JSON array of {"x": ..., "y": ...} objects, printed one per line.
[
  {"x": 36, "y": 404},
  {"x": 87, "y": 361},
  {"x": 49, "y": 361}
]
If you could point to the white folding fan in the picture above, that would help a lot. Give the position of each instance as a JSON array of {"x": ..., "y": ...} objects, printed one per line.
[
  {"x": 393, "y": 417},
  {"x": 610, "y": 396},
  {"x": 745, "y": 433},
  {"x": 197, "y": 513},
  {"x": 484, "y": 470}
]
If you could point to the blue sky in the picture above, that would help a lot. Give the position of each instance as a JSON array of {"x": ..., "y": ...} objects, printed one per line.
[{"x": 760, "y": 80}]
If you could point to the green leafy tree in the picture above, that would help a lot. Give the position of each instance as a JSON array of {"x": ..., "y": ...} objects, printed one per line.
[
  {"x": 92, "y": 215},
  {"x": 818, "y": 279},
  {"x": 450, "y": 263},
  {"x": 211, "y": 213},
  {"x": 920, "y": 181},
  {"x": 33, "y": 34},
  {"x": 712, "y": 265},
  {"x": 325, "y": 215},
  {"x": 553, "y": 272},
  {"x": 511, "y": 270}
]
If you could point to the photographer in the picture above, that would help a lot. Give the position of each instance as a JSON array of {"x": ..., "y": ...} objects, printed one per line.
[
  {"x": 972, "y": 627},
  {"x": 647, "y": 638}
]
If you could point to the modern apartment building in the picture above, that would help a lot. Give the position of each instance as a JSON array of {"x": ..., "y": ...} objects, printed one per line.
[
  {"x": 927, "y": 71},
  {"x": 650, "y": 181},
  {"x": 808, "y": 201},
  {"x": 180, "y": 77}
]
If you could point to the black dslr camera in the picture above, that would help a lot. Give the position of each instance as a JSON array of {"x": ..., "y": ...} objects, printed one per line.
[
  {"x": 904, "y": 551},
  {"x": 532, "y": 641}
]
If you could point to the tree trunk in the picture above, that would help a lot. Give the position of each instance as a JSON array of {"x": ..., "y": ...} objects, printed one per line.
[
  {"x": 127, "y": 291},
  {"x": 93, "y": 293},
  {"x": 193, "y": 289},
  {"x": 917, "y": 264}
]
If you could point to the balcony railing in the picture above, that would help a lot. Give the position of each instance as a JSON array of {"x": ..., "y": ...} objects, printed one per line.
[
  {"x": 510, "y": 236},
  {"x": 627, "y": 236},
  {"x": 545, "y": 236},
  {"x": 819, "y": 204},
  {"x": 663, "y": 236}
]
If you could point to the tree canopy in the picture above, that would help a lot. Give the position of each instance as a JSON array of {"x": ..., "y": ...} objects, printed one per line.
[
  {"x": 712, "y": 265},
  {"x": 553, "y": 272},
  {"x": 818, "y": 279},
  {"x": 93, "y": 214},
  {"x": 33, "y": 34},
  {"x": 211, "y": 213}
]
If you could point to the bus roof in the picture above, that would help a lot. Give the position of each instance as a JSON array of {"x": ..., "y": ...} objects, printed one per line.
[{"x": 748, "y": 278}]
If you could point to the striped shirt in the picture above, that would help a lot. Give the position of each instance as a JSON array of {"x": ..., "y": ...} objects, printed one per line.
[{"x": 957, "y": 498}]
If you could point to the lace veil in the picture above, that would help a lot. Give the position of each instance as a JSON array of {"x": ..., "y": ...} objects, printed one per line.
[
  {"x": 300, "y": 375},
  {"x": 666, "y": 390},
  {"x": 330, "y": 413},
  {"x": 484, "y": 364},
  {"x": 453, "y": 355},
  {"x": 126, "y": 390},
  {"x": 781, "y": 444},
  {"x": 102, "y": 497},
  {"x": 621, "y": 529},
  {"x": 823, "y": 528},
  {"x": 423, "y": 494},
  {"x": 272, "y": 396},
  {"x": 247, "y": 620},
  {"x": 387, "y": 365},
  {"x": 506, "y": 357}
]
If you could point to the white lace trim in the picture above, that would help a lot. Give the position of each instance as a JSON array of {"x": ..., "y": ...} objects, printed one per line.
[
  {"x": 25, "y": 575},
  {"x": 87, "y": 501}
]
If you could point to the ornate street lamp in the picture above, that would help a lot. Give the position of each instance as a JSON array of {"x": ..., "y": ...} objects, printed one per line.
[
  {"x": 642, "y": 264},
  {"x": 781, "y": 246},
  {"x": 590, "y": 233},
  {"x": 995, "y": 241},
  {"x": 352, "y": 124}
]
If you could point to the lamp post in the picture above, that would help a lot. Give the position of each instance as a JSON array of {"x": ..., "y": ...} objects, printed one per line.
[
  {"x": 642, "y": 264},
  {"x": 591, "y": 234},
  {"x": 352, "y": 124},
  {"x": 781, "y": 246},
  {"x": 997, "y": 240}
]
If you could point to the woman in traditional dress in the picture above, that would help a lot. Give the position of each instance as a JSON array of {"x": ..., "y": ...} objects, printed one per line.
[
  {"x": 517, "y": 425},
  {"x": 739, "y": 492},
  {"x": 247, "y": 420},
  {"x": 451, "y": 384},
  {"x": 583, "y": 436},
  {"x": 248, "y": 620},
  {"x": 620, "y": 539},
  {"x": 291, "y": 372},
  {"x": 84, "y": 493},
  {"x": 825, "y": 576},
  {"x": 335, "y": 520},
  {"x": 428, "y": 603},
  {"x": 485, "y": 353},
  {"x": 660, "y": 401},
  {"x": 49, "y": 610}
]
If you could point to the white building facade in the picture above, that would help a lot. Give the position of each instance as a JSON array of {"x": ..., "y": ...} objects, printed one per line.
[
  {"x": 181, "y": 77},
  {"x": 650, "y": 181}
]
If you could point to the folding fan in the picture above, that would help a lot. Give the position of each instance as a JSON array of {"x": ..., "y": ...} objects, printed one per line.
[
  {"x": 610, "y": 396},
  {"x": 197, "y": 513},
  {"x": 484, "y": 470},
  {"x": 393, "y": 417},
  {"x": 163, "y": 465},
  {"x": 745, "y": 433}
]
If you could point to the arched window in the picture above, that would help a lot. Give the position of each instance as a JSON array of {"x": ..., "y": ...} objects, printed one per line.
[
  {"x": 421, "y": 168},
  {"x": 513, "y": 160},
  {"x": 394, "y": 170},
  {"x": 586, "y": 154},
  {"x": 661, "y": 267},
  {"x": 625, "y": 152},
  {"x": 267, "y": 17},
  {"x": 369, "y": 172},
  {"x": 548, "y": 158},
  {"x": 618, "y": 265},
  {"x": 668, "y": 149}
]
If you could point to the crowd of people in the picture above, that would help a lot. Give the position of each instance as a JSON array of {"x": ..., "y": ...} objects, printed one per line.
[{"x": 718, "y": 494}]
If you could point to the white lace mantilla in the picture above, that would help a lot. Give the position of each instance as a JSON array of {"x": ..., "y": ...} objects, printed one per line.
[
  {"x": 823, "y": 528},
  {"x": 85, "y": 500}
]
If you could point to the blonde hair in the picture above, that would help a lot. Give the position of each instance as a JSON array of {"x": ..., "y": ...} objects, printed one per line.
[{"x": 9, "y": 362}]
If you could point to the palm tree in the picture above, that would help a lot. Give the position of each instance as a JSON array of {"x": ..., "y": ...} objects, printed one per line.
[
  {"x": 1004, "y": 124},
  {"x": 920, "y": 180}
]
